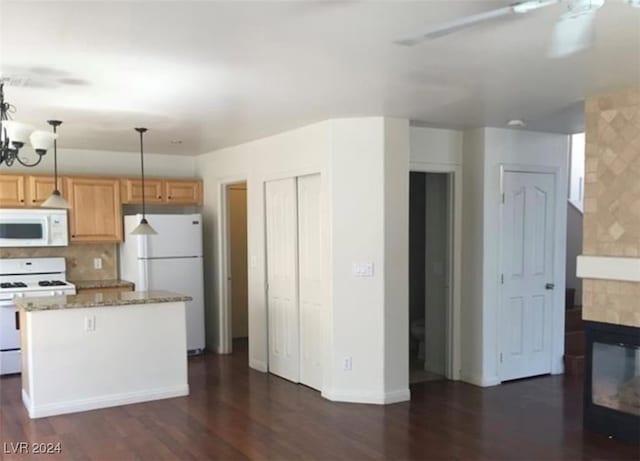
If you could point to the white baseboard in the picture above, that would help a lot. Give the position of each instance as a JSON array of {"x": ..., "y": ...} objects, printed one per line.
[
  {"x": 479, "y": 380},
  {"x": 378, "y": 398},
  {"x": 258, "y": 365},
  {"x": 94, "y": 403}
]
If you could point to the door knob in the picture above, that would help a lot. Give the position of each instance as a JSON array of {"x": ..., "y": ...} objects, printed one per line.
[{"x": 549, "y": 286}]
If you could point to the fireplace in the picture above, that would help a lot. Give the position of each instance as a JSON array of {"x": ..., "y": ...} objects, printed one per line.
[{"x": 612, "y": 380}]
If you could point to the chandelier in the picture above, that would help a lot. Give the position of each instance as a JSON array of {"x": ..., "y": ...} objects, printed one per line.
[{"x": 14, "y": 135}]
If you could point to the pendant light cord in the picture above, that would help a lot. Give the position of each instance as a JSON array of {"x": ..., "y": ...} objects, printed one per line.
[
  {"x": 144, "y": 208},
  {"x": 55, "y": 160}
]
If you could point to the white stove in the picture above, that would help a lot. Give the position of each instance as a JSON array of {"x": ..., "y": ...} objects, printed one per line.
[{"x": 25, "y": 277}]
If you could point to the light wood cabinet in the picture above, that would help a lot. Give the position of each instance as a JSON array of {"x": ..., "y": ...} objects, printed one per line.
[
  {"x": 39, "y": 188},
  {"x": 96, "y": 212},
  {"x": 99, "y": 199},
  {"x": 131, "y": 190},
  {"x": 12, "y": 191},
  {"x": 183, "y": 192}
]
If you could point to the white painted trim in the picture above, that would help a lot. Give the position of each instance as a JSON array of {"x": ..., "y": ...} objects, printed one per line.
[
  {"x": 378, "y": 398},
  {"x": 454, "y": 349},
  {"x": 74, "y": 406},
  {"x": 225, "y": 343},
  {"x": 480, "y": 380},
  {"x": 258, "y": 365},
  {"x": 608, "y": 268}
]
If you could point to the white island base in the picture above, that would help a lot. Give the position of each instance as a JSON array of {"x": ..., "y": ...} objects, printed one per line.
[{"x": 78, "y": 359}]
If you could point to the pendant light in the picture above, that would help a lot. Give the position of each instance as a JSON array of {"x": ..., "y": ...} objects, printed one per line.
[
  {"x": 55, "y": 200},
  {"x": 144, "y": 228}
]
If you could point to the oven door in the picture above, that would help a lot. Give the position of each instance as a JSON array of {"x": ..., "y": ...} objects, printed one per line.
[
  {"x": 24, "y": 231},
  {"x": 9, "y": 327}
]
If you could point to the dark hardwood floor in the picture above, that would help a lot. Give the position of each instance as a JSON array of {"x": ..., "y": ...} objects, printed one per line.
[{"x": 235, "y": 413}]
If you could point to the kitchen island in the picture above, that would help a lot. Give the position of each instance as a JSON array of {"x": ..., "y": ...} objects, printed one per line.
[{"x": 97, "y": 350}]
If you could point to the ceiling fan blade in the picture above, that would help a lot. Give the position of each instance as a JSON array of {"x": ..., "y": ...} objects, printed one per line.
[
  {"x": 572, "y": 34},
  {"x": 469, "y": 21},
  {"x": 454, "y": 26}
]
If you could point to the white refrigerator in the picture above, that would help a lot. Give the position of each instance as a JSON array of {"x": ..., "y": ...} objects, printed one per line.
[{"x": 171, "y": 260}]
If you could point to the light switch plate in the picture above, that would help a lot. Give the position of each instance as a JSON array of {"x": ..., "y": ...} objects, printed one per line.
[
  {"x": 97, "y": 263},
  {"x": 362, "y": 269}
]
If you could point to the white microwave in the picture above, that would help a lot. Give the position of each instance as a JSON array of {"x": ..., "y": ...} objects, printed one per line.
[{"x": 33, "y": 228}]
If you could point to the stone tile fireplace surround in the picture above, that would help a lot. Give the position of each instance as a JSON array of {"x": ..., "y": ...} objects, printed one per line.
[{"x": 610, "y": 264}]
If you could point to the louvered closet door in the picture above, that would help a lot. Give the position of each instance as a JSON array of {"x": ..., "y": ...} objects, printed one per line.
[
  {"x": 282, "y": 278},
  {"x": 311, "y": 280},
  {"x": 527, "y": 265}
]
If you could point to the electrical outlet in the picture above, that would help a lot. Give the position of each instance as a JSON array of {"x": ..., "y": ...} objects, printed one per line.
[
  {"x": 90, "y": 323},
  {"x": 346, "y": 363},
  {"x": 97, "y": 263}
]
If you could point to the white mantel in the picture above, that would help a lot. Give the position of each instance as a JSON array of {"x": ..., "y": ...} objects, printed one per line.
[{"x": 609, "y": 268}]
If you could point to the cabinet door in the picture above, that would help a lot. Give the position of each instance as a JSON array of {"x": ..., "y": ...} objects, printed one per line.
[
  {"x": 39, "y": 189},
  {"x": 96, "y": 213},
  {"x": 183, "y": 192},
  {"x": 132, "y": 191},
  {"x": 12, "y": 190}
]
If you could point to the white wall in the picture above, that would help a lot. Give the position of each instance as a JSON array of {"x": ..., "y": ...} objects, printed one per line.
[
  {"x": 473, "y": 257},
  {"x": 103, "y": 163},
  {"x": 494, "y": 147},
  {"x": 364, "y": 168},
  {"x": 357, "y": 235},
  {"x": 293, "y": 153},
  {"x": 435, "y": 146},
  {"x": 396, "y": 264},
  {"x": 575, "y": 221}
]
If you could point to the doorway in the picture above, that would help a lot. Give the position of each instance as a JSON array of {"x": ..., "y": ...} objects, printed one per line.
[
  {"x": 237, "y": 277},
  {"x": 430, "y": 275}
]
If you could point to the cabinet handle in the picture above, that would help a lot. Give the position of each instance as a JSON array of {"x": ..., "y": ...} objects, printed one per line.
[
  {"x": 169, "y": 197},
  {"x": 17, "y": 321},
  {"x": 33, "y": 200},
  {"x": 159, "y": 196},
  {"x": 21, "y": 200}
]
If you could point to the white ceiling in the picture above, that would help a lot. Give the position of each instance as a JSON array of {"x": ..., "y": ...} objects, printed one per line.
[{"x": 214, "y": 74}]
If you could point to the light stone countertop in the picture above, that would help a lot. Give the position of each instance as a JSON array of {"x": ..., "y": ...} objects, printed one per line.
[
  {"x": 107, "y": 299},
  {"x": 111, "y": 283}
]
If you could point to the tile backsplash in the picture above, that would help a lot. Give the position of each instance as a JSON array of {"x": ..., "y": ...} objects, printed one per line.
[{"x": 79, "y": 259}]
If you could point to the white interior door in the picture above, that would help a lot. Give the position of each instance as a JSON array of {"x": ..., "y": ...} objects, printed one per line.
[
  {"x": 310, "y": 280},
  {"x": 527, "y": 264},
  {"x": 282, "y": 278}
]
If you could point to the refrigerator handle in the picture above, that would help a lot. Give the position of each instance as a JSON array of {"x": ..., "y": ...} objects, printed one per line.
[
  {"x": 143, "y": 245},
  {"x": 143, "y": 275}
]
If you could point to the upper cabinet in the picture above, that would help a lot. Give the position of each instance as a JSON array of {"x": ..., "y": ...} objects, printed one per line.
[
  {"x": 183, "y": 192},
  {"x": 96, "y": 213},
  {"x": 39, "y": 188},
  {"x": 132, "y": 190},
  {"x": 12, "y": 190},
  {"x": 162, "y": 191}
]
